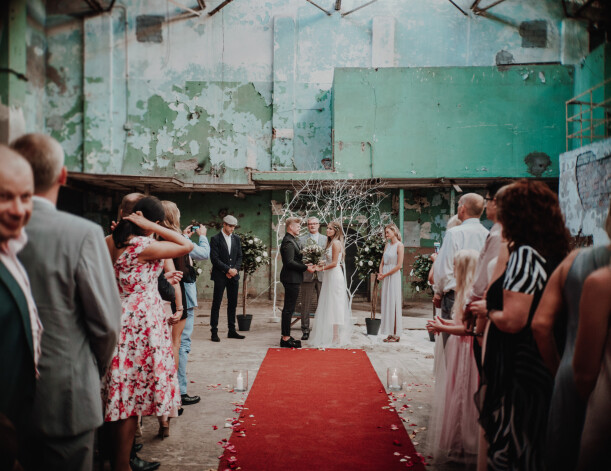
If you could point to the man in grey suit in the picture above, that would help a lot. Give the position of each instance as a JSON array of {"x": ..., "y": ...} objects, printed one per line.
[
  {"x": 311, "y": 281},
  {"x": 77, "y": 297}
]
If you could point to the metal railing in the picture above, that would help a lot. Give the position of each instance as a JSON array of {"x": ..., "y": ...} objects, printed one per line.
[{"x": 593, "y": 121}]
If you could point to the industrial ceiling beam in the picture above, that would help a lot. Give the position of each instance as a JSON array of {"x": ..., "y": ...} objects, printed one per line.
[
  {"x": 478, "y": 9},
  {"x": 460, "y": 9},
  {"x": 222, "y": 5},
  {"x": 358, "y": 8},
  {"x": 185, "y": 8},
  {"x": 319, "y": 7}
]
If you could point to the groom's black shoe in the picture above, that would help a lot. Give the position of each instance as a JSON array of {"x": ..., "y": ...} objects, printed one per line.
[
  {"x": 290, "y": 343},
  {"x": 305, "y": 336},
  {"x": 232, "y": 334}
]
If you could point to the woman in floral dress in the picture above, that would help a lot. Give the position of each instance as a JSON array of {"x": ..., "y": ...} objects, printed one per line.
[{"x": 141, "y": 378}]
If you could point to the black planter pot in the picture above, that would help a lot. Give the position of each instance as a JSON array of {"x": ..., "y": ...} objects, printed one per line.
[
  {"x": 373, "y": 325},
  {"x": 244, "y": 321}
]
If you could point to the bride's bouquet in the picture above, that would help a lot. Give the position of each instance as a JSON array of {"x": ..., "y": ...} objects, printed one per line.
[{"x": 312, "y": 253}]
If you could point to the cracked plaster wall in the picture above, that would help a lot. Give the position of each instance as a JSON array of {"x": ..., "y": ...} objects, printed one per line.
[{"x": 201, "y": 104}]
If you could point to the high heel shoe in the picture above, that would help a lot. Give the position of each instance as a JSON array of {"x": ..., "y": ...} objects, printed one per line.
[{"x": 164, "y": 429}]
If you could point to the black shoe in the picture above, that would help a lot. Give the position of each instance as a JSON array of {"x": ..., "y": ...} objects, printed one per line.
[
  {"x": 137, "y": 447},
  {"x": 305, "y": 336},
  {"x": 234, "y": 335},
  {"x": 180, "y": 411},
  {"x": 290, "y": 343},
  {"x": 138, "y": 464},
  {"x": 215, "y": 338},
  {"x": 189, "y": 400}
]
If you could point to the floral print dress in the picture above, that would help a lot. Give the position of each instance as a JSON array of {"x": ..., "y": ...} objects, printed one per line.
[{"x": 141, "y": 378}]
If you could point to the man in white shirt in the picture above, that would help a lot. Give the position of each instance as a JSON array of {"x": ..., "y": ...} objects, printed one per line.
[
  {"x": 470, "y": 234},
  {"x": 312, "y": 282},
  {"x": 21, "y": 332}
]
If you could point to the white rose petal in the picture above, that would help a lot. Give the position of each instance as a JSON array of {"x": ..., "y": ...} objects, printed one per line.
[
  {"x": 258, "y": 259},
  {"x": 265, "y": 254},
  {"x": 370, "y": 263},
  {"x": 360, "y": 264},
  {"x": 199, "y": 270},
  {"x": 250, "y": 241},
  {"x": 256, "y": 239},
  {"x": 417, "y": 288},
  {"x": 366, "y": 249}
]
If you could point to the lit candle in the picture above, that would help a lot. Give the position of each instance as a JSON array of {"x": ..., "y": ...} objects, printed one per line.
[
  {"x": 240, "y": 382},
  {"x": 394, "y": 380}
]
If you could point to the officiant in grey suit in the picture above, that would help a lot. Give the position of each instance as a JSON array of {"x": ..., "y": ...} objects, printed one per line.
[
  {"x": 311, "y": 281},
  {"x": 76, "y": 293}
]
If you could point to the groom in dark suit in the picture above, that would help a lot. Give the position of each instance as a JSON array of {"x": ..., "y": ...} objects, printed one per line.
[
  {"x": 291, "y": 277},
  {"x": 226, "y": 258}
]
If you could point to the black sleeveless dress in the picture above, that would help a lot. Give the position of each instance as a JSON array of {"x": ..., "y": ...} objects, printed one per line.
[{"x": 516, "y": 387}]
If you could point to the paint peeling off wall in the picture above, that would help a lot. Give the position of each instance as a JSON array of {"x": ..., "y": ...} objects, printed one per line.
[{"x": 585, "y": 189}]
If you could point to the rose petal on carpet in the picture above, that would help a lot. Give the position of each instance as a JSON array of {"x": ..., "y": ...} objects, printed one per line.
[{"x": 318, "y": 410}]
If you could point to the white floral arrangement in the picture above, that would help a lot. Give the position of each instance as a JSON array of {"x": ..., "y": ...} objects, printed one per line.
[
  {"x": 369, "y": 255},
  {"x": 254, "y": 253}
]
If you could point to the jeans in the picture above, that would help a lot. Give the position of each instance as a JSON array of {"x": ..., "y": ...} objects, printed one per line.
[{"x": 185, "y": 349}]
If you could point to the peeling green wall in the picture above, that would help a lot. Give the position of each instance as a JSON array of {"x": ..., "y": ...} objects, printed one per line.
[{"x": 450, "y": 122}]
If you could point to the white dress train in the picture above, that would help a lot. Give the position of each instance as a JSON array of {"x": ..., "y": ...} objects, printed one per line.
[{"x": 333, "y": 309}]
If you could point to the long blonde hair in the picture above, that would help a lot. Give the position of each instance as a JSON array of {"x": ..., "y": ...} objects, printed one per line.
[
  {"x": 465, "y": 262},
  {"x": 395, "y": 230},
  {"x": 172, "y": 216},
  {"x": 339, "y": 235}
]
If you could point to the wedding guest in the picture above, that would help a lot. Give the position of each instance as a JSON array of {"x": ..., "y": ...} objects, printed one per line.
[
  {"x": 78, "y": 303},
  {"x": 178, "y": 317},
  {"x": 141, "y": 379},
  {"x": 390, "y": 276},
  {"x": 454, "y": 429},
  {"x": 557, "y": 317},
  {"x": 516, "y": 386},
  {"x": 470, "y": 234},
  {"x": 226, "y": 258},
  {"x": 592, "y": 368},
  {"x": 312, "y": 282},
  {"x": 201, "y": 251},
  {"x": 333, "y": 319},
  {"x": 21, "y": 331}
]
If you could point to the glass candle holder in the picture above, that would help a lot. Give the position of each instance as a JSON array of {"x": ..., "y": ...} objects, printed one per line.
[
  {"x": 241, "y": 381},
  {"x": 394, "y": 379}
]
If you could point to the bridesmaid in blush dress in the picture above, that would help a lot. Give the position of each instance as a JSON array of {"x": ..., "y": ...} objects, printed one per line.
[
  {"x": 454, "y": 429},
  {"x": 390, "y": 276}
]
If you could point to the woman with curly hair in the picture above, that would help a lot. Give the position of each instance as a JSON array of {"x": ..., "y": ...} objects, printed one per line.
[{"x": 516, "y": 387}]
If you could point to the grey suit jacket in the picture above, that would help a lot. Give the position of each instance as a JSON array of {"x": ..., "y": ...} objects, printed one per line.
[
  {"x": 322, "y": 241},
  {"x": 79, "y": 306}
]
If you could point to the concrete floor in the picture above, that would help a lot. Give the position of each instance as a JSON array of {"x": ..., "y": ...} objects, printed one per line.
[{"x": 193, "y": 441}]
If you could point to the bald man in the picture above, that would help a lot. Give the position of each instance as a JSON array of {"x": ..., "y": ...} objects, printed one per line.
[
  {"x": 21, "y": 328},
  {"x": 470, "y": 234},
  {"x": 78, "y": 300}
]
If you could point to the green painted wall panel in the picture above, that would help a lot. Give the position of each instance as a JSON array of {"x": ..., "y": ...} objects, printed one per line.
[{"x": 449, "y": 122}]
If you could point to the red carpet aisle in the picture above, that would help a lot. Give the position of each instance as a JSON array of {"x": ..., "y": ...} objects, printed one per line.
[{"x": 316, "y": 410}]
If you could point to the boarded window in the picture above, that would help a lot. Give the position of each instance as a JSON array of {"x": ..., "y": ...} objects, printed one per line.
[
  {"x": 148, "y": 28},
  {"x": 534, "y": 33}
]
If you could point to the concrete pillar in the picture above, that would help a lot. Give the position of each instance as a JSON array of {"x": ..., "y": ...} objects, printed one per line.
[{"x": 13, "y": 76}]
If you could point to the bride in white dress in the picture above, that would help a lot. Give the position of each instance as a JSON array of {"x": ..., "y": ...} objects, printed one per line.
[{"x": 333, "y": 319}]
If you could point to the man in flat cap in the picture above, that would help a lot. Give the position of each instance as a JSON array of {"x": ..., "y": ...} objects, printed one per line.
[{"x": 226, "y": 258}]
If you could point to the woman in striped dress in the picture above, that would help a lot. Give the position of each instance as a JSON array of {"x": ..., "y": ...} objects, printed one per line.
[{"x": 516, "y": 387}]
